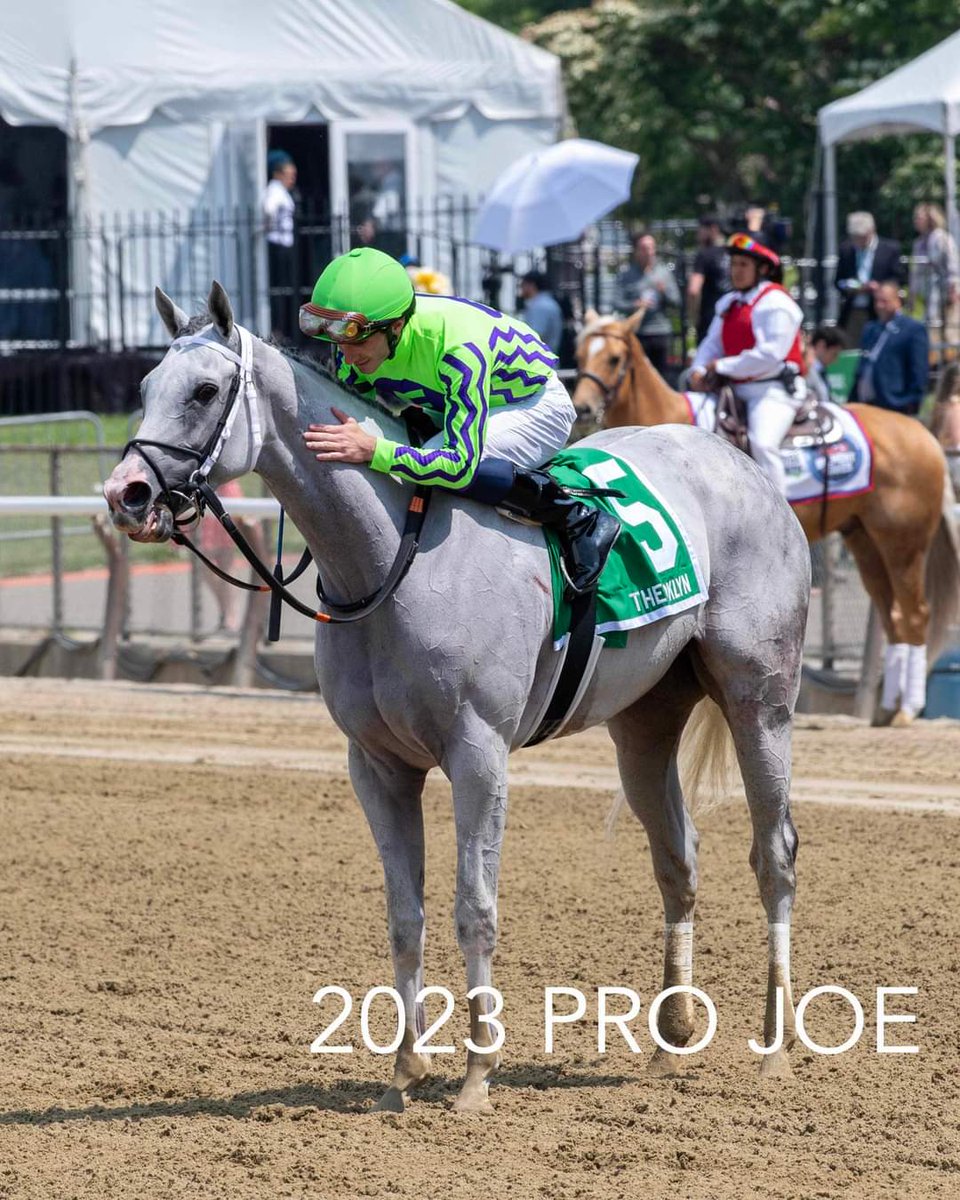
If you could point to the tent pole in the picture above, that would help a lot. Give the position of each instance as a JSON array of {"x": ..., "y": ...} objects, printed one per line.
[
  {"x": 830, "y": 228},
  {"x": 950, "y": 179}
]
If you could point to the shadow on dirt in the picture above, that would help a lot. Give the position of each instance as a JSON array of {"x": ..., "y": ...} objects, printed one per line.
[{"x": 303, "y": 1099}]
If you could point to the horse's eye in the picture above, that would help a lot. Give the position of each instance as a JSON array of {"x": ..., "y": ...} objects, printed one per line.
[
  {"x": 614, "y": 360},
  {"x": 205, "y": 391}
]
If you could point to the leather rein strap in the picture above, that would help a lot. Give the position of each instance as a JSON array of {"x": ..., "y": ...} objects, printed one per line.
[{"x": 341, "y": 614}]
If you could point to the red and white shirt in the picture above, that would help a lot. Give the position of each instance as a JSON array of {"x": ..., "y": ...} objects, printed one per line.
[{"x": 753, "y": 334}]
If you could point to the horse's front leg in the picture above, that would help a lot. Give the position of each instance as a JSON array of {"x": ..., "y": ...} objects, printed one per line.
[
  {"x": 390, "y": 794},
  {"x": 477, "y": 769}
]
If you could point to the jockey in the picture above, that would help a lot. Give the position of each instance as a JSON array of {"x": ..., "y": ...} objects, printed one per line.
[
  {"x": 754, "y": 342},
  {"x": 487, "y": 383}
]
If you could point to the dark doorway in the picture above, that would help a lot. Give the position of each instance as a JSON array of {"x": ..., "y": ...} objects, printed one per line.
[
  {"x": 309, "y": 147},
  {"x": 33, "y": 245}
]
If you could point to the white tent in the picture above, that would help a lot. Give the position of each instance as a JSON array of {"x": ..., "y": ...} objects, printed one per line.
[
  {"x": 166, "y": 106},
  {"x": 923, "y": 96}
]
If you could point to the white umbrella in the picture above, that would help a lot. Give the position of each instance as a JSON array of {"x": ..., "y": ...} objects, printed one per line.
[{"x": 553, "y": 194}]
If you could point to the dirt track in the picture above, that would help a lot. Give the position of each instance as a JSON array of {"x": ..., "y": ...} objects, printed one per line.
[{"x": 181, "y": 871}]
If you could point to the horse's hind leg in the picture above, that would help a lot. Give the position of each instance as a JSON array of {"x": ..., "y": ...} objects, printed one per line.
[
  {"x": 390, "y": 795},
  {"x": 647, "y": 736},
  {"x": 758, "y": 696}
]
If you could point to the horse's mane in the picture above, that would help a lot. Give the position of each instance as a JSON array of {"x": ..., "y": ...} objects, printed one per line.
[{"x": 323, "y": 368}]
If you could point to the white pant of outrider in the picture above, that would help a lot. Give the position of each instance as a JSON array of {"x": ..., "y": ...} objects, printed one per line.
[
  {"x": 770, "y": 413},
  {"x": 529, "y": 432}
]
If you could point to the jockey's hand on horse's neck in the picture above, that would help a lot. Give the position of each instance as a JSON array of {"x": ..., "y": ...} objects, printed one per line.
[{"x": 346, "y": 442}]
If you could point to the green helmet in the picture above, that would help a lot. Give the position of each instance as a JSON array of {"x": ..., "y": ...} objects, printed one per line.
[{"x": 365, "y": 281}]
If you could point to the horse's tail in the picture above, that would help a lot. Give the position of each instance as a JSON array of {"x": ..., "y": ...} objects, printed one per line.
[
  {"x": 706, "y": 762},
  {"x": 943, "y": 576}
]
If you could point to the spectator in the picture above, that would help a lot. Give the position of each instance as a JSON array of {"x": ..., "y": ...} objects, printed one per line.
[
  {"x": 649, "y": 285},
  {"x": 892, "y": 372},
  {"x": 541, "y": 311},
  {"x": 935, "y": 279},
  {"x": 864, "y": 261},
  {"x": 823, "y": 349},
  {"x": 945, "y": 426},
  {"x": 366, "y": 234},
  {"x": 708, "y": 279},
  {"x": 278, "y": 207},
  {"x": 755, "y": 223}
]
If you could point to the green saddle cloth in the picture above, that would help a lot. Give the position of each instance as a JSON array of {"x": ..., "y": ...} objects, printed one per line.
[{"x": 652, "y": 571}]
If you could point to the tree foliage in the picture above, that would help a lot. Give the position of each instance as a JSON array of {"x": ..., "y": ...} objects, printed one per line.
[{"x": 720, "y": 97}]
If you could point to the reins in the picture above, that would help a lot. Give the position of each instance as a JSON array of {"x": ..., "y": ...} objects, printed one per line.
[
  {"x": 198, "y": 496},
  {"x": 341, "y": 614}
]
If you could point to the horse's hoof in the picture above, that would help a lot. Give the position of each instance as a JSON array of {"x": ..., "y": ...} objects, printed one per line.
[
  {"x": 902, "y": 719},
  {"x": 664, "y": 1064},
  {"x": 392, "y": 1100},
  {"x": 776, "y": 1066},
  {"x": 474, "y": 1102}
]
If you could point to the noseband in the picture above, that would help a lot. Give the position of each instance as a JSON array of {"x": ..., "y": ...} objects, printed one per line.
[
  {"x": 187, "y": 502},
  {"x": 609, "y": 391}
]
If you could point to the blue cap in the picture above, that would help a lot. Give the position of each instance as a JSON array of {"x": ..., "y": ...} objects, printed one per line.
[{"x": 276, "y": 159}]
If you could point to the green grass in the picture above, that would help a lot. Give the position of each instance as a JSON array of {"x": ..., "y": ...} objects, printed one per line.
[
  {"x": 25, "y": 470},
  {"x": 45, "y": 432}
]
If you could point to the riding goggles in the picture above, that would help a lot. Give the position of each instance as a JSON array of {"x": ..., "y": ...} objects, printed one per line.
[{"x": 335, "y": 326}]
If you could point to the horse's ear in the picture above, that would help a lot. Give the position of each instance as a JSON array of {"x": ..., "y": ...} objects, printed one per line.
[
  {"x": 590, "y": 316},
  {"x": 174, "y": 318},
  {"x": 218, "y": 302},
  {"x": 633, "y": 323}
]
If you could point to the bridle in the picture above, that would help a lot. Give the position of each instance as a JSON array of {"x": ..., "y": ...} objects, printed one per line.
[
  {"x": 190, "y": 498},
  {"x": 188, "y": 503},
  {"x": 609, "y": 391}
]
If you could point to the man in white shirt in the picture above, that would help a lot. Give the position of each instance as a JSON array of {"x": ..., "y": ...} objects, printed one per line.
[
  {"x": 754, "y": 342},
  {"x": 278, "y": 206}
]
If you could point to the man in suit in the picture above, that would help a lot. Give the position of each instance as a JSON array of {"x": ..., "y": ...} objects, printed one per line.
[
  {"x": 893, "y": 367},
  {"x": 863, "y": 263}
]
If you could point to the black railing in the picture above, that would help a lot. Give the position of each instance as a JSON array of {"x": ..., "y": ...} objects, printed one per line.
[{"x": 78, "y": 326}]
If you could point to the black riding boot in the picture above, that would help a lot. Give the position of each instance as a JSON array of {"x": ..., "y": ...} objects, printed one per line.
[{"x": 586, "y": 534}]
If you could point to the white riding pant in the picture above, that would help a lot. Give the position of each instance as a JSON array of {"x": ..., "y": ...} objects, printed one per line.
[
  {"x": 770, "y": 413},
  {"x": 529, "y": 432}
]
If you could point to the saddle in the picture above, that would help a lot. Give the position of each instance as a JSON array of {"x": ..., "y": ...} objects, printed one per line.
[{"x": 814, "y": 424}]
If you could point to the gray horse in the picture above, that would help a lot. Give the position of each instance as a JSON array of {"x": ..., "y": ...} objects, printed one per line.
[{"x": 453, "y": 671}]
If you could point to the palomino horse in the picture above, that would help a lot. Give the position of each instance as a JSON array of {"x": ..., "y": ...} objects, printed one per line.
[
  {"x": 901, "y": 533},
  {"x": 453, "y": 670}
]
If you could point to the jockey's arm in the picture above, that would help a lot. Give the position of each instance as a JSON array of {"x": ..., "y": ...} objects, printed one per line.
[
  {"x": 774, "y": 328},
  {"x": 465, "y": 374},
  {"x": 709, "y": 350}
]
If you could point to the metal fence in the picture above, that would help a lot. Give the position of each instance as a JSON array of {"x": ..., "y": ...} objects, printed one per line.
[{"x": 55, "y": 570}]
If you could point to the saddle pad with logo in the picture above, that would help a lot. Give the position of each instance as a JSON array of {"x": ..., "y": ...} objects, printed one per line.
[
  {"x": 846, "y": 464},
  {"x": 652, "y": 571}
]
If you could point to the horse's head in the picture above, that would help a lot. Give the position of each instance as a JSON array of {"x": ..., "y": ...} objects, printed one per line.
[
  {"x": 200, "y": 419},
  {"x": 606, "y": 352}
]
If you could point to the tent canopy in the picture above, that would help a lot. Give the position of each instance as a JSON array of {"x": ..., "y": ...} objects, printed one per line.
[
  {"x": 84, "y": 65},
  {"x": 923, "y": 95}
]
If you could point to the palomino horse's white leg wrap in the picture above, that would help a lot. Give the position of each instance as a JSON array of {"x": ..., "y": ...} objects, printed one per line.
[
  {"x": 894, "y": 675},
  {"x": 915, "y": 692}
]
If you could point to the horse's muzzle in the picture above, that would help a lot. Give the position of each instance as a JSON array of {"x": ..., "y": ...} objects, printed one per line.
[{"x": 134, "y": 509}]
